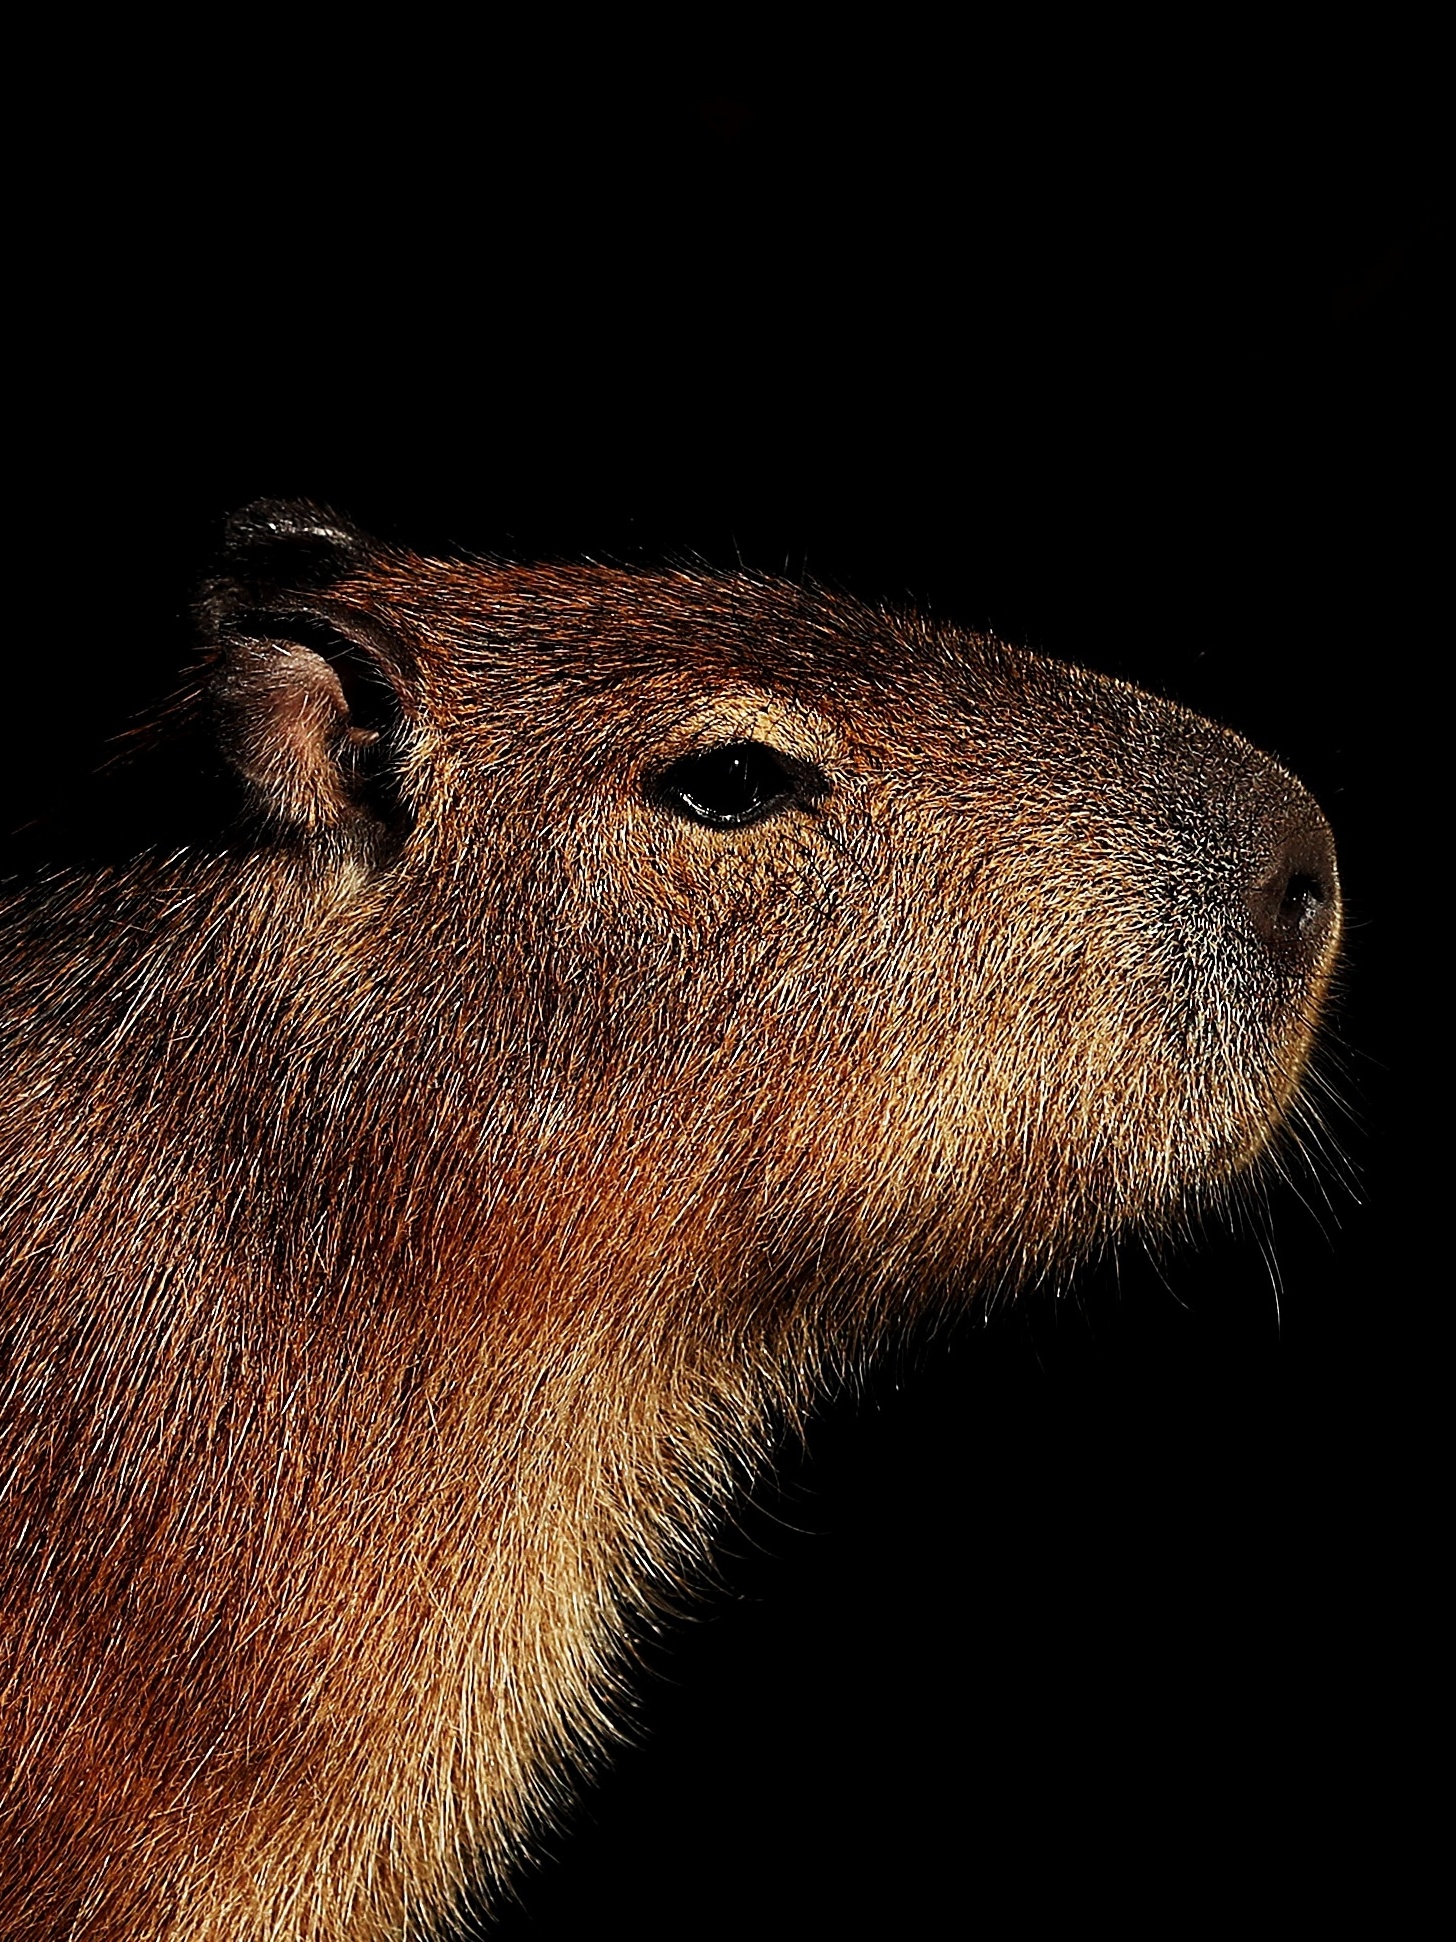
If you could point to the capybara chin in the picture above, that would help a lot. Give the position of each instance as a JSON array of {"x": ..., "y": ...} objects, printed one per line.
[{"x": 611, "y": 997}]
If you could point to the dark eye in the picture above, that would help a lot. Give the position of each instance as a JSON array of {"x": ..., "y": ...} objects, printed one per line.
[{"x": 728, "y": 788}]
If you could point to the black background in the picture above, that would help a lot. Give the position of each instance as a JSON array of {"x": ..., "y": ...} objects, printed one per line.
[{"x": 1112, "y": 1607}]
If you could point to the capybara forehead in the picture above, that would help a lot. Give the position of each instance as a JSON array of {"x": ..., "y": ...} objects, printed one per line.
[
  {"x": 496, "y": 631},
  {"x": 604, "y": 625}
]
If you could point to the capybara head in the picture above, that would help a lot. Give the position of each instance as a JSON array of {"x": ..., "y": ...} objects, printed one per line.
[
  {"x": 821, "y": 934},
  {"x": 617, "y": 994}
]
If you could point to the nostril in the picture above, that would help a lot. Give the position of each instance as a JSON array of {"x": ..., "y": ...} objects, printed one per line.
[
  {"x": 1304, "y": 897},
  {"x": 1294, "y": 901}
]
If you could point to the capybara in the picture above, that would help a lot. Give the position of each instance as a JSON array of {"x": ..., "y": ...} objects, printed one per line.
[{"x": 613, "y": 999}]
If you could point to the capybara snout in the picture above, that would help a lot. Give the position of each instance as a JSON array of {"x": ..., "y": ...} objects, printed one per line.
[{"x": 610, "y": 1000}]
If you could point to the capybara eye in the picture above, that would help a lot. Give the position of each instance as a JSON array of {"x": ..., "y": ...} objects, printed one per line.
[{"x": 729, "y": 787}]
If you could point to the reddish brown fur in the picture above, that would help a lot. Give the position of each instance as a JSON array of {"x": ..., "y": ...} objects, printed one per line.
[{"x": 418, "y": 1211}]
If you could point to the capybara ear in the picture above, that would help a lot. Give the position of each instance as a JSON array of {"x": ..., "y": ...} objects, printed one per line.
[{"x": 311, "y": 695}]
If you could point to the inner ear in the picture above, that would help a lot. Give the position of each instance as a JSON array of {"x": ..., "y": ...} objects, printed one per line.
[
  {"x": 358, "y": 657},
  {"x": 309, "y": 708}
]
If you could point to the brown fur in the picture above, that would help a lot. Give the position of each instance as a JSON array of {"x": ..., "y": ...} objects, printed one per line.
[{"x": 418, "y": 1208}]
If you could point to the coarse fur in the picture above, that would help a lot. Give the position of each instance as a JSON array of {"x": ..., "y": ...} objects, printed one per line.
[{"x": 422, "y": 1201}]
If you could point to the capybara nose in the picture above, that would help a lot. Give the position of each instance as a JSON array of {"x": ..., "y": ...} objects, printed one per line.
[{"x": 1295, "y": 896}]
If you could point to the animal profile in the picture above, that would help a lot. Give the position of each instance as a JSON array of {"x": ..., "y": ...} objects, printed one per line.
[{"x": 610, "y": 1002}]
